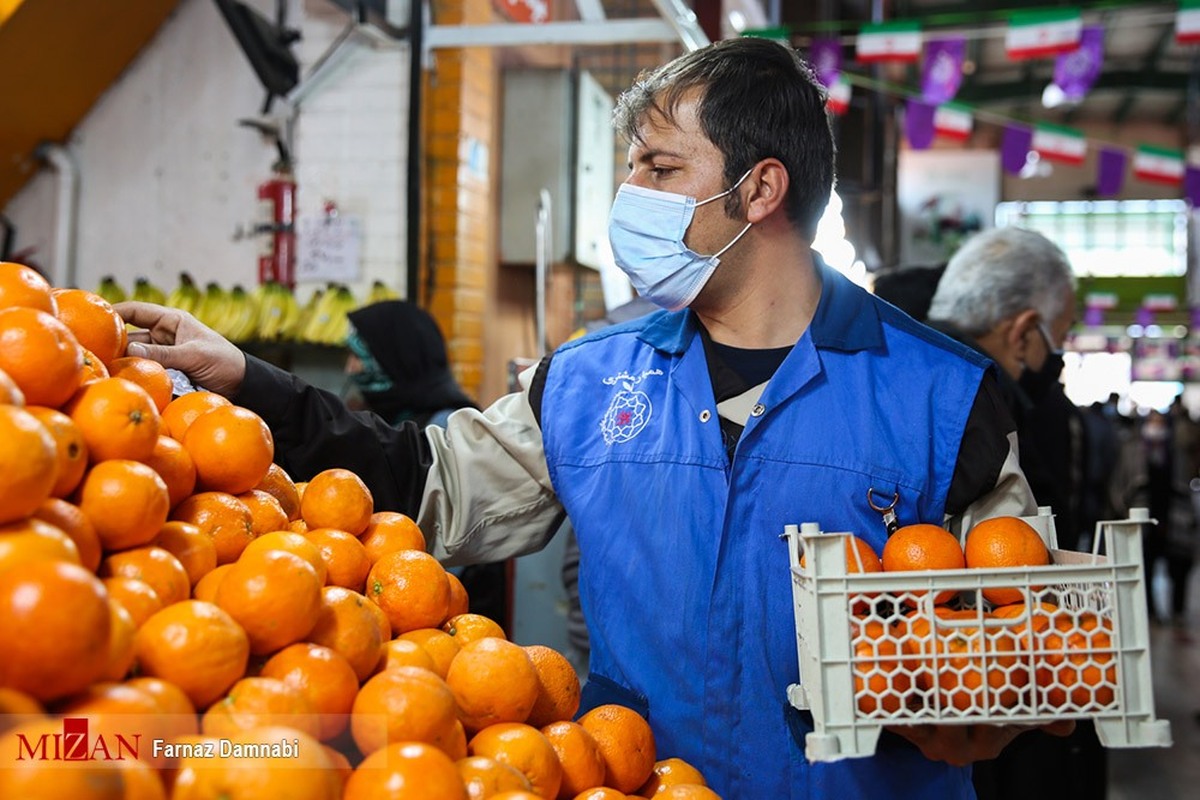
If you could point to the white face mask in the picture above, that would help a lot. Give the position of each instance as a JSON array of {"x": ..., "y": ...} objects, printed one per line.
[{"x": 646, "y": 231}]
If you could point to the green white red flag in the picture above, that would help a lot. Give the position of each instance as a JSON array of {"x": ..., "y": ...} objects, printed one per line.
[
  {"x": 1040, "y": 34},
  {"x": 953, "y": 122},
  {"x": 838, "y": 101},
  {"x": 1187, "y": 22},
  {"x": 1060, "y": 143},
  {"x": 889, "y": 41},
  {"x": 1158, "y": 165}
]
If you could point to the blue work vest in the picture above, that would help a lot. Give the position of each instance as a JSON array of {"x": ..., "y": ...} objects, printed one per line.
[{"x": 684, "y": 580}]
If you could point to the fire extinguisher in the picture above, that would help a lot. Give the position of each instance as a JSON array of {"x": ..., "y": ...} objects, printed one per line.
[{"x": 277, "y": 227}]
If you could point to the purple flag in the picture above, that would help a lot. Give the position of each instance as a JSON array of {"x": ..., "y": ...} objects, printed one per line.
[
  {"x": 1110, "y": 172},
  {"x": 941, "y": 72},
  {"x": 918, "y": 123},
  {"x": 1014, "y": 148},
  {"x": 1093, "y": 316},
  {"x": 1191, "y": 185},
  {"x": 825, "y": 55},
  {"x": 1075, "y": 72},
  {"x": 1144, "y": 317}
]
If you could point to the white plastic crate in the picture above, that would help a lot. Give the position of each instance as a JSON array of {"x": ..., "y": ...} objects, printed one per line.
[{"x": 873, "y": 652}]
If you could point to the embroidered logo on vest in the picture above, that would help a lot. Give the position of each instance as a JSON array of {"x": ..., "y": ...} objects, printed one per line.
[{"x": 630, "y": 409}]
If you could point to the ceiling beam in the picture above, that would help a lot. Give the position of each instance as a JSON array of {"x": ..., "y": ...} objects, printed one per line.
[{"x": 1149, "y": 67}]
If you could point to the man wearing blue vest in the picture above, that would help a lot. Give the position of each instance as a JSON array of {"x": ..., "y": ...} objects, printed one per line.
[{"x": 770, "y": 390}]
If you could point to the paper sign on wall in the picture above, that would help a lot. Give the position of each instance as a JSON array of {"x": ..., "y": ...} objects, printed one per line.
[{"x": 328, "y": 248}]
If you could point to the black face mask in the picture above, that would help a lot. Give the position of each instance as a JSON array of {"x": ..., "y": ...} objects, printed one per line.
[{"x": 1037, "y": 382}]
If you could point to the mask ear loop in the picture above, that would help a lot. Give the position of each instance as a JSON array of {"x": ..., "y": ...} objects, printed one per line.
[{"x": 734, "y": 240}]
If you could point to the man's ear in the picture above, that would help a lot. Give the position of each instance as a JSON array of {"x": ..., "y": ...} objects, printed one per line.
[
  {"x": 768, "y": 188},
  {"x": 1018, "y": 332}
]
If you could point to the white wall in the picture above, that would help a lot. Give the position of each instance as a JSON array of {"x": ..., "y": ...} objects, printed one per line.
[{"x": 168, "y": 176}]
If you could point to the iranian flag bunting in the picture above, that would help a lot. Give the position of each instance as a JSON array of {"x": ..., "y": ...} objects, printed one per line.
[
  {"x": 1158, "y": 165},
  {"x": 889, "y": 41},
  {"x": 1187, "y": 22},
  {"x": 839, "y": 97},
  {"x": 1038, "y": 34},
  {"x": 953, "y": 122},
  {"x": 1060, "y": 143}
]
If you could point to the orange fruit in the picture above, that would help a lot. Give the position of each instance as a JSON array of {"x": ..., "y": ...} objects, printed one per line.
[
  {"x": 194, "y": 645},
  {"x": 154, "y": 566},
  {"x": 860, "y": 556},
  {"x": 29, "y": 540},
  {"x": 278, "y": 484},
  {"x": 670, "y": 772},
  {"x": 66, "y": 780},
  {"x": 601, "y": 793},
  {"x": 93, "y": 321},
  {"x": 142, "y": 781},
  {"x": 308, "y": 774},
  {"x": 148, "y": 374},
  {"x": 181, "y": 412},
  {"x": 582, "y": 764},
  {"x": 687, "y": 791},
  {"x": 344, "y": 556},
  {"x": 454, "y": 742},
  {"x": 71, "y": 520},
  {"x": 340, "y": 764},
  {"x": 10, "y": 393},
  {"x": 1004, "y": 542},
  {"x": 558, "y": 686},
  {"x": 466, "y": 628},
  {"x": 293, "y": 543},
  {"x": 92, "y": 369},
  {"x": 137, "y": 597},
  {"x": 460, "y": 602},
  {"x": 406, "y": 771},
  {"x": 485, "y": 777},
  {"x": 923, "y": 547},
  {"x": 175, "y": 467},
  {"x": 525, "y": 748},
  {"x": 405, "y": 653},
  {"x": 298, "y": 526},
  {"x": 493, "y": 681},
  {"x": 405, "y": 704},
  {"x": 337, "y": 498},
  {"x": 206, "y": 588},
  {"x": 69, "y": 445},
  {"x": 411, "y": 588},
  {"x": 55, "y": 623},
  {"x": 390, "y": 531},
  {"x": 195, "y": 551},
  {"x": 626, "y": 742},
  {"x": 266, "y": 515},
  {"x": 256, "y": 702},
  {"x": 120, "y": 642},
  {"x": 441, "y": 646},
  {"x": 117, "y": 418},
  {"x": 28, "y": 462},
  {"x": 223, "y": 518},
  {"x": 882, "y": 680},
  {"x": 381, "y": 622},
  {"x": 324, "y": 677},
  {"x": 178, "y": 712},
  {"x": 24, "y": 286},
  {"x": 971, "y": 668},
  {"x": 40, "y": 354},
  {"x": 346, "y": 625},
  {"x": 231, "y": 447},
  {"x": 126, "y": 501},
  {"x": 1079, "y": 665},
  {"x": 274, "y": 595}
]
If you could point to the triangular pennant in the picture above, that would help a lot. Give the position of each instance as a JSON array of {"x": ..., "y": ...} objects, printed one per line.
[
  {"x": 1014, "y": 148},
  {"x": 941, "y": 72},
  {"x": 918, "y": 123},
  {"x": 1075, "y": 72},
  {"x": 1110, "y": 172},
  {"x": 825, "y": 55}
]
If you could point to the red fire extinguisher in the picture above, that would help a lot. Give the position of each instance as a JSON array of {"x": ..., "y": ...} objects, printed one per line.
[{"x": 277, "y": 227}]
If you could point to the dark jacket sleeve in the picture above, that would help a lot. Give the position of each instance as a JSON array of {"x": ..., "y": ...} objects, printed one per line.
[
  {"x": 984, "y": 449},
  {"x": 314, "y": 431}
]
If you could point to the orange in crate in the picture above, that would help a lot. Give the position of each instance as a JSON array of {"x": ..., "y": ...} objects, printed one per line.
[
  {"x": 882, "y": 680},
  {"x": 923, "y": 547},
  {"x": 972, "y": 668},
  {"x": 1004, "y": 542},
  {"x": 1079, "y": 665}
]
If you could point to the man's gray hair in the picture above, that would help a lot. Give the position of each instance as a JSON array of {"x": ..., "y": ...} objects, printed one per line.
[{"x": 999, "y": 273}]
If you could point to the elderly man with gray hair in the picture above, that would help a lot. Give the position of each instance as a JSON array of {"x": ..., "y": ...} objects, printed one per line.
[{"x": 1010, "y": 293}]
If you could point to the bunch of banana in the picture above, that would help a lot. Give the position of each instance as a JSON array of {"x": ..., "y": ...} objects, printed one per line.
[
  {"x": 186, "y": 296},
  {"x": 380, "y": 291},
  {"x": 329, "y": 323},
  {"x": 147, "y": 292},
  {"x": 296, "y": 329},
  {"x": 278, "y": 311},
  {"x": 212, "y": 306},
  {"x": 240, "y": 322},
  {"x": 110, "y": 290}
]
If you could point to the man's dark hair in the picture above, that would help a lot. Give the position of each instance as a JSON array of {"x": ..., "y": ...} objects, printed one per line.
[{"x": 760, "y": 100}]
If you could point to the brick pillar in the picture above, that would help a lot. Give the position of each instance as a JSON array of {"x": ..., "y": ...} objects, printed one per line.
[{"x": 461, "y": 117}]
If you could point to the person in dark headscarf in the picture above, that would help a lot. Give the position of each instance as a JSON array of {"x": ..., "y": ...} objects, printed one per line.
[{"x": 398, "y": 364}]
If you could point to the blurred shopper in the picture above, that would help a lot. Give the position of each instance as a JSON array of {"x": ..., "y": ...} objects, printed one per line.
[
  {"x": 1010, "y": 293},
  {"x": 909, "y": 289},
  {"x": 399, "y": 367},
  {"x": 1102, "y": 448}
]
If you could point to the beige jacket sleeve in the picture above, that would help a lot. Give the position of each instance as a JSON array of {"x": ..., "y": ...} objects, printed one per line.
[
  {"x": 488, "y": 495},
  {"x": 1011, "y": 496}
]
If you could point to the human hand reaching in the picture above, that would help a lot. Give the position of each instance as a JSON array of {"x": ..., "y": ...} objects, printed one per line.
[
  {"x": 965, "y": 744},
  {"x": 177, "y": 340}
]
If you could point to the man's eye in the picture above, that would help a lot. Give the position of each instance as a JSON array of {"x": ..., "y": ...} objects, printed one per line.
[{"x": 660, "y": 172}]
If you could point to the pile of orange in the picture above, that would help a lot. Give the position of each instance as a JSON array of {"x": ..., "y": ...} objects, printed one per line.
[
  {"x": 150, "y": 536},
  {"x": 987, "y": 656}
]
